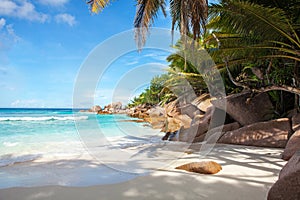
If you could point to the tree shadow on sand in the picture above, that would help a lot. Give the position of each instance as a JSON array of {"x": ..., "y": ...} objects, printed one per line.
[{"x": 159, "y": 183}]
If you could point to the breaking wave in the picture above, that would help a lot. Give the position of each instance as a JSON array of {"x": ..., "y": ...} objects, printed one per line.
[
  {"x": 8, "y": 160},
  {"x": 50, "y": 118}
]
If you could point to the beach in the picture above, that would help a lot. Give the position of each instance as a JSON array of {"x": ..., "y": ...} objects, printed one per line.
[
  {"x": 65, "y": 154},
  {"x": 248, "y": 173},
  {"x": 179, "y": 100}
]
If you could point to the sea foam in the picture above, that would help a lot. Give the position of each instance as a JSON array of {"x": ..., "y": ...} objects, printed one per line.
[
  {"x": 8, "y": 160},
  {"x": 10, "y": 144},
  {"x": 43, "y": 118}
]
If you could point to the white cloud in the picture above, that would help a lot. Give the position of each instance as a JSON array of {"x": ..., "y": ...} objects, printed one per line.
[
  {"x": 132, "y": 63},
  {"x": 7, "y": 7},
  {"x": 2, "y": 23},
  {"x": 8, "y": 37},
  {"x": 53, "y": 2},
  {"x": 30, "y": 103},
  {"x": 11, "y": 32},
  {"x": 65, "y": 18},
  {"x": 157, "y": 56},
  {"x": 21, "y": 9}
]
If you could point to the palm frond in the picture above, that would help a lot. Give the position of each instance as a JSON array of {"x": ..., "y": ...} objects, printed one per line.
[
  {"x": 175, "y": 8},
  {"x": 147, "y": 11},
  {"x": 251, "y": 31},
  {"x": 247, "y": 18},
  {"x": 189, "y": 15},
  {"x": 97, "y": 6},
  {"x": 199, "y": 14}
]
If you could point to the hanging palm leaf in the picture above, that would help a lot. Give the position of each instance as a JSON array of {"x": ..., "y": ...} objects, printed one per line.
[
  {"x": 147, "y": 11},
  {"x": 259, "y": 28},
  {"x": 255, "y": 32},
  {"x": 97, "y": 6},
  {"x": 189, "y": 16}
]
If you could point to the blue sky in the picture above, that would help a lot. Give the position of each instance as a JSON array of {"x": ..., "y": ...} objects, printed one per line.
[{"x": 43, "y": 44}]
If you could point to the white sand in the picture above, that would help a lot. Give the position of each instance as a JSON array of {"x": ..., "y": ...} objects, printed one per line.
[{"x": 247, "y": 173}]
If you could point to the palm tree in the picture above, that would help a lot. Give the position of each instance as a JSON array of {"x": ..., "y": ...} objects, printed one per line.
[
  {"x": 189, "y": 16},
  {"x": 250, "y": 31},
  {"x": 265, "y": 31}
]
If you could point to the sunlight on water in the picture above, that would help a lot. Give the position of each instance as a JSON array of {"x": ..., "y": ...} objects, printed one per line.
[{"x": 48, "y": 132}]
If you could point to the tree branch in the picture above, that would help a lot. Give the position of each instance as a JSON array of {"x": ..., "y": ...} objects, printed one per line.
[
  {"x": 238, "y": 84},
  {"x": 278, "y": 87}
]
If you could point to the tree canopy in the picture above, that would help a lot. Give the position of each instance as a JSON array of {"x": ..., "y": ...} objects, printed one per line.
[{"x": 255, "y": 43}]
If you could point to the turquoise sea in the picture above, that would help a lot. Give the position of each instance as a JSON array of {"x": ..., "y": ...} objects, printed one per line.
[{"x": 29, "y": 135}]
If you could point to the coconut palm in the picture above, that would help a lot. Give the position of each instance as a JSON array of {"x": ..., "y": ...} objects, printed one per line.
[
  {"x": 189, "y": 16},
  {"x": 252, "y": 32}
]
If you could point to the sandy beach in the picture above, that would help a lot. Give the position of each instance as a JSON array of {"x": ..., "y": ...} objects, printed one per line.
[
  {"x": 248, "y": 173},
  {"x": 167, "y": 100}
]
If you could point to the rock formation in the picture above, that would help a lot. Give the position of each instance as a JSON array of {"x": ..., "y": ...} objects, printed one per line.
[
  {"x": 263, "y": 134},
  {"x": 288, "y": 185},
  {"x": 248, "y": 109},
  {"x": 292, "y": 146},
  {"x": 113, "y": 108},
  {"x": 205, "y": 167}
]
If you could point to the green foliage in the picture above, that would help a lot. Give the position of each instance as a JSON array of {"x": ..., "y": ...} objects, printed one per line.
[
  {"x": 252, "y": 31},
  {"x": 257, "y": 40},
  {"x": 156, "y": 93}
]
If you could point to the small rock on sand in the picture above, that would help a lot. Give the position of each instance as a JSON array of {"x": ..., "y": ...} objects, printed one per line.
[{"x": 204, "y": 167}]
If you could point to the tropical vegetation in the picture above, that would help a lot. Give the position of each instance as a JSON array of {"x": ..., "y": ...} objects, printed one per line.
[
  {"x": 156, "y": 93},
  {"x": 254, "y": 43}
]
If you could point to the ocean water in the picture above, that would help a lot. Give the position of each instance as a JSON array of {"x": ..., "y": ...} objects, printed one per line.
[
  {"x": 42, "y": 132},
  {"x": 29, "y": 135}
]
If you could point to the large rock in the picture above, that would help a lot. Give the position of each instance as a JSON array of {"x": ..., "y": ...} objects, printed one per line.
[
  {"x": 179, "y": 108},
  {"x": 292, "y": 113},
  {"x": 185, "y": 121},
  {"x": 296, "y": 122},
  {"x": 292, "y": 146},
  {"x": 214, "y": 134},
  {"x": 205, "y": 167},
  {"x": 156, "y": 112},
  {"x": 286, "y": 188},
  {"x": 143, "y": 116},
  {"x": 204, "y": 105},
  {"x": 263, "y": 134},
  {"x": 288, "y": 184},
  {"x": 140, "y": 111},
  {"x": 95, "y": 109},
  {"x": 246, "y": 109},
  {"x": 157, "y": 122},
  {"x": 113, "y": 108},
  {"x": 155, "y": 116},
  {"x": 291, "y": 166},
  {"x": 116, "y": 105},
  {"x": 189, "y": 110},
  {"x": 202, "y": 102},
  {"x": 172, "y": 108},
  {"x": 199, "y": 126},
  {"x": 189, "y": 134},
  {"x": 218, "y": 117},
  {"x": 104, "y": 112},
  {"x": 171, "y": 125},
  {"x": 226, "y": 127}
]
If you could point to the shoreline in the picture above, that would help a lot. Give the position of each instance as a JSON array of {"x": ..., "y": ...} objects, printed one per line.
[
  {"x": 131, "y": 167},
  {"x": 248, "y": 173}
]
